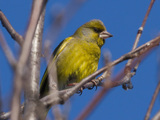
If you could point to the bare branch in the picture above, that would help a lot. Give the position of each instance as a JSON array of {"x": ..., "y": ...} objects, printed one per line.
[
  {"x": 147, "y": 14},
  {"x": 32, "y": 84},
  {"x": 17, "y": 37},
  {"x": 154, "y": 95},
  {"x": 37, "y": 8},
  {"x": 139, "y": 33},
  {"x": 7, "y": 51},
  {"x": 152, "y": 102}
]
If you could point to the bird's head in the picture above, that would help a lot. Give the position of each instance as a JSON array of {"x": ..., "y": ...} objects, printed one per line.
[{"x": 93, "y": 31}]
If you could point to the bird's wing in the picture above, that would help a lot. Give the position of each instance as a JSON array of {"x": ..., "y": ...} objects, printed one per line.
[
  {"x": 44, "y": 82},
  {"x": 61, "y": 47}
]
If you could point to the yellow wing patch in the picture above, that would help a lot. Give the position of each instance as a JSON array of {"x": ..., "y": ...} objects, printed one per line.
[
  {"x": 62, "y": 46},
  {"x": 57, "y": 51}
]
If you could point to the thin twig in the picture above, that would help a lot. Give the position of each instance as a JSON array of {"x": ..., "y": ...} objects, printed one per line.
[
  {"x": 7, "y": 51},
  {"x": 139, "y": 33},
  {"x": 154, "y": 95},
  {"x": 37, "y": 8},
  {"x": 17, "y": 37},
  {"x": 152, "y": 101}
]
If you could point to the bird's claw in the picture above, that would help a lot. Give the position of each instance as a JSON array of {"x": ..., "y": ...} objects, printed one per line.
[
  {"x": 80, "y": 91},
  {"x": 94, "y": 85},
  {"x": 73, "y": 84}
]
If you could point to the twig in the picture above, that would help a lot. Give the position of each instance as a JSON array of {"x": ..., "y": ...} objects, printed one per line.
[
  {"x": 37, "y": 8},
  {"x": 139, "y": 33},
  {"x": 17, "y": 37},
  {"x": 152, "y": 102},
  {"x": 7, "y": 51},
  {"x": 154, "y": 95}
]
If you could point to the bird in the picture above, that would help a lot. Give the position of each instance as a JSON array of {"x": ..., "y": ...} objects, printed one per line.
[{"x": 77, "y": 56}]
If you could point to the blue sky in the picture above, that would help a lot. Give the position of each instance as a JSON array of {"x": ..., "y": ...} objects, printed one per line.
[{"x": 122, "y": 19}]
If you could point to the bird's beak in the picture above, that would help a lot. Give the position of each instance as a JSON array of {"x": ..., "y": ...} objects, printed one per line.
[{"x": 105, "y": 34}]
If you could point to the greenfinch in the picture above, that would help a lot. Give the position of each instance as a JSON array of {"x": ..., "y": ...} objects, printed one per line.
[{"x": 77, "y": 56}]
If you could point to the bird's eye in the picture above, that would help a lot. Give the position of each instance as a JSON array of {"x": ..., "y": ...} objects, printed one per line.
[{"x": 96, "y": 30}]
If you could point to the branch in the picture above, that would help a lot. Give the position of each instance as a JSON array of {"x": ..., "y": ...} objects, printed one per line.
[
  {"x": 7, "y": 51},
  {"x": 154, "y": 95},
  {"x": 32, "y": 84},
  {"x": 152, "y": 101},
  {"x": 17, "y": 37},
  {"x": 37, "y": 8},
  {"x": 139, "y": 33}
]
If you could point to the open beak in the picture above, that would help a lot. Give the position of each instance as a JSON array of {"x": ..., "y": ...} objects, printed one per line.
[{"x": 105, "y": 34}]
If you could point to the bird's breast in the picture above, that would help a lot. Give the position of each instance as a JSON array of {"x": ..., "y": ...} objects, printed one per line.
[{"x": 76, "y": 62}]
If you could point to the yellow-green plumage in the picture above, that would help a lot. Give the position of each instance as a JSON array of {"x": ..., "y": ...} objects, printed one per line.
[{"x": 77, "y": 56}]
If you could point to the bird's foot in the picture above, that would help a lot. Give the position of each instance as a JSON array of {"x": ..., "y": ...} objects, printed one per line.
[
  {"x": 81, "y": 89},
  {"x": 94, "y": 85}
]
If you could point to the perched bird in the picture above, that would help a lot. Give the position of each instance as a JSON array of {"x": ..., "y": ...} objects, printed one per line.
[{"x": 77, "y": 56}]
